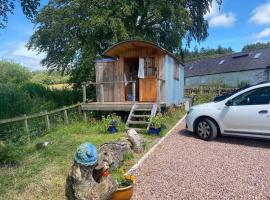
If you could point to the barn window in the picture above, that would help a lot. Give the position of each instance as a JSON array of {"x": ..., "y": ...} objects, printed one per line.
[{"x": 176, "y": 71}]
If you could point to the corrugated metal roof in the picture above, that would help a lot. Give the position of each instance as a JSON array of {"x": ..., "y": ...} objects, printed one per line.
[{"x": 232, "y": 63}]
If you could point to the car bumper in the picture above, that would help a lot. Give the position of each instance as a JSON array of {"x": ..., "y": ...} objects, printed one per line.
[{"x": 189, "y": 123}]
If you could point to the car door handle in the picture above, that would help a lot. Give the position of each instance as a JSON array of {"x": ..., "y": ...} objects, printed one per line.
[{"x": 263, "y": 112}]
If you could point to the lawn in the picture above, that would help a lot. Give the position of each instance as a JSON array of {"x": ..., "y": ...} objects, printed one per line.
[{"x": 42, "y": 174}]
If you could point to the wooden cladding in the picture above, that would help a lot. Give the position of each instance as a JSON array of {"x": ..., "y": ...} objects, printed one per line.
[{"x": 110, "y": 75}]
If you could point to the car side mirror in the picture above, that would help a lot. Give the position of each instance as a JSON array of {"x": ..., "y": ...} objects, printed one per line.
[{"x": 229, "y": 103}]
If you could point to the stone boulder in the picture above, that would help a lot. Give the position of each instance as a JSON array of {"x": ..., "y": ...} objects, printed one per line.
[
  {"x": 113, "y": 152},
  {"x": 137, "y": 142}
]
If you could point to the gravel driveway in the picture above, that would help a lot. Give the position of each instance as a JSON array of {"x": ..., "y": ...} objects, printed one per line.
[{"x": 184, "y": 167}]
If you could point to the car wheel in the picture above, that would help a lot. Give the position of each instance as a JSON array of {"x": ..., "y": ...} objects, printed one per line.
[{"x": 206, "y": 129}]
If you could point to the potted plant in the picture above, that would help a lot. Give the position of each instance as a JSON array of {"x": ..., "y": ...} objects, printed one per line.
[
  {"x": 125, "y": 187},
  {"x": 156, "y": 123},
  {"x": 110, "y": 123}
]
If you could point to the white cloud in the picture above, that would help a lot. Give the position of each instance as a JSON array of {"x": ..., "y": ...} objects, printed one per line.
[
  {"x": 261, "y": 14},
  {"x": 263, "y": 34},
  {"x": 218, "y": 19},
  {"x": 17, "y": 52}
]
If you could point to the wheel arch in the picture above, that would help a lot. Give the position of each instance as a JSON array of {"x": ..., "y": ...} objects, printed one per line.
[{"x": 208, "y": 117}]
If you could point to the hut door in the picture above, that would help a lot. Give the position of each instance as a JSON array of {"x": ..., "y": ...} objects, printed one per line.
[{"x": 148, "y": 85}]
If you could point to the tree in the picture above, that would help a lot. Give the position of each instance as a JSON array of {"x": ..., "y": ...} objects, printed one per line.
[
  {"x": 13, "y": 73},
  {"x": 29, "y": 8},
  {"x": 203, "y": 53},
  {"x": 258, "y": 45},
  {"x": 73, "y": 33}
]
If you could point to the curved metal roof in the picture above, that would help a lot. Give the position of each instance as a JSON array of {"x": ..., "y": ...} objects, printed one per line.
[{"x": 120, "y": 47}]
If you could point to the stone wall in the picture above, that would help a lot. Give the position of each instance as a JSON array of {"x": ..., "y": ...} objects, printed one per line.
[{"x": 232, "y": 78}]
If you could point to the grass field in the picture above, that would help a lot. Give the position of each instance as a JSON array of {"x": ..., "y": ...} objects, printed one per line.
[{"x": 42, "y": 174}]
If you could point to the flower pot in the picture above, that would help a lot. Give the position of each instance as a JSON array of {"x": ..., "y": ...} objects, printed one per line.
[
  {"x": 123, "y": 193},
  {"x": 153, "y": 130},
  {"x": 112, "y": 129}
]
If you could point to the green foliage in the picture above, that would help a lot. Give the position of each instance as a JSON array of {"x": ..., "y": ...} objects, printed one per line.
[
  {"x": 29, "y": 8},
  {"x": 49, "y": 78},
  {"x": 31, "y": 98},
  {"x": 258, "y": 45},
  {"x": 199, "y": 54},
  {"x": 241, "y": 84},
  {"x": 10, "y": 154},
  {"x": 13, "y": 73},
  {"x": 109, "y": 120},
  {"x": 74, "y": 33},
  {"x": 157, "y": 121}
]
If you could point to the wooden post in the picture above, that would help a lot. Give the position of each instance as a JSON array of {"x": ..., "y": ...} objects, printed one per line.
[
  {"x": 101, "y": 93},
  {"x": 47, "y": 121},
  {"x": 26, "y": 128},
  {"x": 134, "y": 91},
  {"x": 66, "y": 117},
  {"x": 84, "y": 116},
  {"x": 158, "y": 93},
  {"x": 84, "y": 93},
  {"x": 80, "y": 110}
]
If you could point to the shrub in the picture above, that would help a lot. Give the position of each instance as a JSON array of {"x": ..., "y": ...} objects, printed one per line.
[
  {"x": 109, "y": 120},
  {"x": 157, "y": 121}
]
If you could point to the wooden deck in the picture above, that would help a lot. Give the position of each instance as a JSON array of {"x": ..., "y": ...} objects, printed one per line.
[{"x": 114, "y": 106}]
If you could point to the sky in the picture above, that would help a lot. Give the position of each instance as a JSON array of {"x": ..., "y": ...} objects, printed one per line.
[{"x": 234, "y": 24}]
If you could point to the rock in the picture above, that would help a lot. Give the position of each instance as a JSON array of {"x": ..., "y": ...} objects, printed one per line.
[
  {"x": 113, "y": 152},
  {"x": 43, "y": 145},
  {"x": 136, "y": 140},
  {"x": 81, "y": 185}
]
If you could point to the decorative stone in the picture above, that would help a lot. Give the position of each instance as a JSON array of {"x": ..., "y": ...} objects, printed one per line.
[
  {"x": 136, "y": 140},
  {"x": 113, "y": 152}
]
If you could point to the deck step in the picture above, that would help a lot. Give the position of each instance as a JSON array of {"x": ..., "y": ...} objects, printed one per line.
[
  {"x": 142, "y": 109},
  {"x": 140, "y": 116},
  {"x": 137, "y": 122}
]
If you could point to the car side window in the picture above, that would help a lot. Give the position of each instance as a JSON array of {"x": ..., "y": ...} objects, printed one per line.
[{"x": 258, "y": 96}]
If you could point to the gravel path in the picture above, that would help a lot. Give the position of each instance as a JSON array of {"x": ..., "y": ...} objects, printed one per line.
[{"x": 184, "y": 167}]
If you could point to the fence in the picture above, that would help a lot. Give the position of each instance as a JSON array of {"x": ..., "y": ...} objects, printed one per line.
[
  {"x": 203, "y": 89},
  {"x": 28, "y": 127}
]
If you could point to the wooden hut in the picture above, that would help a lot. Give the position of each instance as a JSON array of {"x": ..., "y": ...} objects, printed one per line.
[{"x": 137, "y": 73}]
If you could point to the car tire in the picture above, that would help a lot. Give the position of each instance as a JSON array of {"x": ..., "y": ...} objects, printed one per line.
[{"x": 206, "y": 129}]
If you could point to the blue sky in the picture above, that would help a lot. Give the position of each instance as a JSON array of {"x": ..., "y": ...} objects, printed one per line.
[{"x": 235, "y": 24}]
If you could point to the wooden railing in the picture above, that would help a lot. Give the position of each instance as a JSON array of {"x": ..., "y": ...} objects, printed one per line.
[
  {"x": 101, "y": 89},
  {"x": 22, "y": 122}
]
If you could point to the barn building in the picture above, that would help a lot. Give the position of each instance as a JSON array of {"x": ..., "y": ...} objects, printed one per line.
[{"x": 244, "y": 67}]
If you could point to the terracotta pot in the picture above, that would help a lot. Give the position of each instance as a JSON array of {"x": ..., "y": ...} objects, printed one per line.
[{"x": 123, "y": 193}]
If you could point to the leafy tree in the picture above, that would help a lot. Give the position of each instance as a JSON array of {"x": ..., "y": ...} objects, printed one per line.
[
  {"x": 73, "y": 33},
  {"x": 29, "y": 8},
  {"x": 13, "y": 73},
  {"x": 48, "y": 78},
  {"x": 258, "y": 45},
  {"x": 203, "y": 53}
]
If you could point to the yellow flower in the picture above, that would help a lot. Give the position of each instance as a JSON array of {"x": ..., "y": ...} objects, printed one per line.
[{"x": 130, "y": 177}]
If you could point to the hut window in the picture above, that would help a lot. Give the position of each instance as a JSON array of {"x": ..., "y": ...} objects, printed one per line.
[
  {"x": 150, "y": 69},
  {"x": 176, "y": 71}
]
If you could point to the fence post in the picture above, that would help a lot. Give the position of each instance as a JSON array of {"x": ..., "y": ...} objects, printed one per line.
[
  {"x": 26, "y": 128},
  {"x": 80, "y": 110},
  {"x": 65, "y": 116},
  {"x": 134, "y": 91},
  {"x": 84, "y": 116},
  {"x": 84, "y": 93},
  {"x": 47, "y": 121},
  {"x": 101, "y": 93}
]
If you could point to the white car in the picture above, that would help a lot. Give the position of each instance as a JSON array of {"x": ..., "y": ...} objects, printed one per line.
[{"x": 245, "y": 113}]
